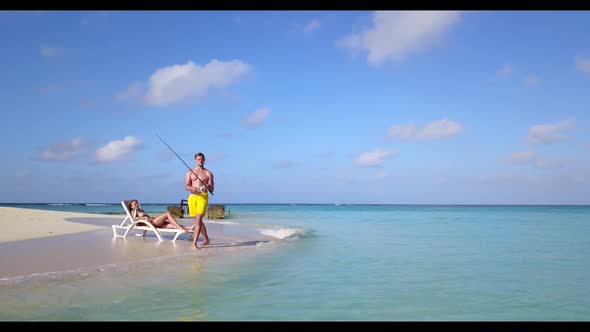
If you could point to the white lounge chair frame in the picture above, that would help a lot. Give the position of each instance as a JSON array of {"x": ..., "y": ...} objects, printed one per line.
[{"x": 128, "y": 224}]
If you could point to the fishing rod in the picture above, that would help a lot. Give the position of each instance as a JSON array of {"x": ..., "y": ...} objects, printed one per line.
[{"x": 189, "y": 168}]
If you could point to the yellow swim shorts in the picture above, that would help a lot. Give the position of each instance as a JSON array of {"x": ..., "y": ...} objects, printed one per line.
[{"x": 197, "y": 203}]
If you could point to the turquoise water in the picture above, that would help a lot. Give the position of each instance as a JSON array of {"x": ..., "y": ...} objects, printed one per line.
[{"x": 349, "y": 262}]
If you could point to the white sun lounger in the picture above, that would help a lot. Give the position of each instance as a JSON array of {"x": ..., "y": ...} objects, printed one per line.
[{"x": 128, "y": 224}]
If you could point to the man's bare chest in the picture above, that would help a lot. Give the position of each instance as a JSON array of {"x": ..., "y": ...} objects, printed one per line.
[{"x": 201, "y": 174}]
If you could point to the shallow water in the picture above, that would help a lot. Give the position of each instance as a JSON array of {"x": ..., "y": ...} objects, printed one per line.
[{"x": 347, "y": 262}]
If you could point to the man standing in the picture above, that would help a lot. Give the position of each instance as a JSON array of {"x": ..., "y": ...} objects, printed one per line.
[{"x": 198, "y": 182}]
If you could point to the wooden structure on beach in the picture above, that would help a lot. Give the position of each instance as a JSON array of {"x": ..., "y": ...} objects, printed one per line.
[
  {"x": 176, "y": 211},
  {"x": 214, "y": 211}
]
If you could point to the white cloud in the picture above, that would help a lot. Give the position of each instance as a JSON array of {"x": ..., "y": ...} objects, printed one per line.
[
  {"x": 312, "y": 25},
  {"x": 256, "y": 118},
  {"x": 440, "y": 129},
  {"x": 63, "y": 151},
  {"x": 51, "y": 52},
  {"x": 117, "y": 150},
  {"x": 583, "y": 65},
  {"x": 177, "y": 83},
  {"x": 548, "y": 133},
  {"x": 397, "y": 34},
  {"x": 504, "y": 71},
  {"x": 531, "y": 158},
  {"x": 374, "y": 158},
  {"x": 532, "y": 80}
]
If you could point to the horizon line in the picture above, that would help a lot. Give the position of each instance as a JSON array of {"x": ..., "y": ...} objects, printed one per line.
[{"x": 335, "y": 204}]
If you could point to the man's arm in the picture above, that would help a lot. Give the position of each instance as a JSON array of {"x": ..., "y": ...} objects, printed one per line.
[
  {"x": 188, "y": 183},
  {"x": 211, "y": 184}
]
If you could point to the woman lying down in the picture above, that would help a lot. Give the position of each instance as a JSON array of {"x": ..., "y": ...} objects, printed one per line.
[{"x": 164, "y": 221}]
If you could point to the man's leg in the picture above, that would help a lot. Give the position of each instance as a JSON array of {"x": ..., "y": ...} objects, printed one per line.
[
  {"x": 201, "y": 202},
  {"x": 204, "y": 231},
  {"x": 200, "y": 228},
  {"x": 197, "y": 230}
]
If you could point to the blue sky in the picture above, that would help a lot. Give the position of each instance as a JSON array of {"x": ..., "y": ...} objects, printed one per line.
[{"x": 476, "y": 107}]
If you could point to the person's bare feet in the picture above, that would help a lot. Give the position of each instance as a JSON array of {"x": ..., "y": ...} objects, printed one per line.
[
  {"x": 206, "y": 242},
  {"x": 196, "y": 246}
]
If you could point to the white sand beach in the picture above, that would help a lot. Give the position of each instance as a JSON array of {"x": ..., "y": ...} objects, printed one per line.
[
  {"x": 22, "y": 224},
  {"x": 41, "y": 241}
]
